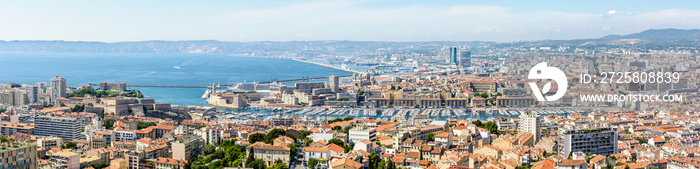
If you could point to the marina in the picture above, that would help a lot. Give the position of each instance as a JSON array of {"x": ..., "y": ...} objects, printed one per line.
[{"x": 388, "y": 114}]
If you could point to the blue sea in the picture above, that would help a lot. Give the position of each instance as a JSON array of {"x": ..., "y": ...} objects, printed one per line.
[{"x": 156, "y": 69}]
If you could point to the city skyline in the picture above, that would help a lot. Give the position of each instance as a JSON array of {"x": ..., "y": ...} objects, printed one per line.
[{"x": 338, "y": 20}]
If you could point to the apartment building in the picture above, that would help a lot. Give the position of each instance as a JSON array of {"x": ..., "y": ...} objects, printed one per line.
[
  {"x": 65, "y": 127},
  {"x": 18, "y": 155},
  {"x": 187, "y": 147},
  {"x": 602, "y": 141},
  {"x": 360, "y": 133},
  {"x": 8, "y": 128}
]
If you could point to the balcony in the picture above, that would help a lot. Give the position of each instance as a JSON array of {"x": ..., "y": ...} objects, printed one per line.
[{"x": 19, "y": 165}]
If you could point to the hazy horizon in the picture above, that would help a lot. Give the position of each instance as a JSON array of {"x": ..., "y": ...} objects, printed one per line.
[{"x": 319, "y": 20}]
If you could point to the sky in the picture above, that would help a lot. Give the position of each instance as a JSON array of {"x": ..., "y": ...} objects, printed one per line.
[{"x": 355, "y": 20}]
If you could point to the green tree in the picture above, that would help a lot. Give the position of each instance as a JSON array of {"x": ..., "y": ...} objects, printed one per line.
[
  {"x": 477, "y": 123},
  {"x": 256, "y": 137},
  {"x": 390, "y": 165},
  {"x": 143, "y": 125},
  {"x": 312, "y": 163},
  {"x": 272, "y": 135},
  {"x": 280, "y": 166},
  {"x": 69, "y": 145},
  {"x": 290, "y": 135},
  {"x": 251, "y": 157},
  {"x": 208, "y": 149},
  {"x": 77, "y": 108},
  {"x": 108, "y": 123},
  {"x": 346, "y": 130},
  {"x": 336, "y": 128},
  {"x": 293, "y": 150},
  {"x": 337, "y": 142},
  {"x": 430, "y": 137},
  {"x": 373, "y": 160},
  {"x": 257, "y": 164},
  {"x": 641, "y": 140},
  {"x": 98, "y": 165}
]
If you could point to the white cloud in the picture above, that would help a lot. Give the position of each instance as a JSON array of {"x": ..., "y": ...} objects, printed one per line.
[{"x": 612, "y": 12}]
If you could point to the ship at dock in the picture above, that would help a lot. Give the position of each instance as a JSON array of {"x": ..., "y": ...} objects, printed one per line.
[{"x": 239, "y": 95}]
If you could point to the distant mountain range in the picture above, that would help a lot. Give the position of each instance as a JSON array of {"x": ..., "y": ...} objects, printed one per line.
[
  {"x": 660, "y": 34},
  {"x": 653, "y": 38}
]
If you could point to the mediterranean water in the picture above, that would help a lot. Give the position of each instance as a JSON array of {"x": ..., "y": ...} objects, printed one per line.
[{"x": 153, "y": 69}]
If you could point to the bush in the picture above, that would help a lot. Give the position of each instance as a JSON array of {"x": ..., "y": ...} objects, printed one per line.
[{"x": 143, "y": 125}]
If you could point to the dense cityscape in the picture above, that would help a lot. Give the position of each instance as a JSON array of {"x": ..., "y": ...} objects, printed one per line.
[
  {"x": 350, "y": 84},
  {"x": 442, "y": 107}
]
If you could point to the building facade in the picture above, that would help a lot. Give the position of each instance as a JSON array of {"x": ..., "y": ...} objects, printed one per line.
[
  {"x": 18, "y": 155},
  {"x": 58, "y": 88},
  {"x": 530, "y": 123},
  {"x": 269, "y": 153},
  {"x": 104, "y": 86},
  {"x": 64, "y": 127},
  {"x": 187, "y": 147},
  {"x": 602, "y": 141},
  {"x": 334, "y": 83}
]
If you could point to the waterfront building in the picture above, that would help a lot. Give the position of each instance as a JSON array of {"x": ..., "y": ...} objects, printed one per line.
[
  {"x": 308, "y": 87},
  {"x": 503, "y": 101},
  {"x": 601, "y": 141},
  {"x": 65, "y": 127},
  {"x": 58, "y": 88},
  {"x": 456, "y": 102},
  {"x": 104, "y": 86},
  {"x": 379, "y": 102},
  {"x": 405, "y": 102},
  {"x": 478, "y": 102},
  {"x": 430, "y": 102}
]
